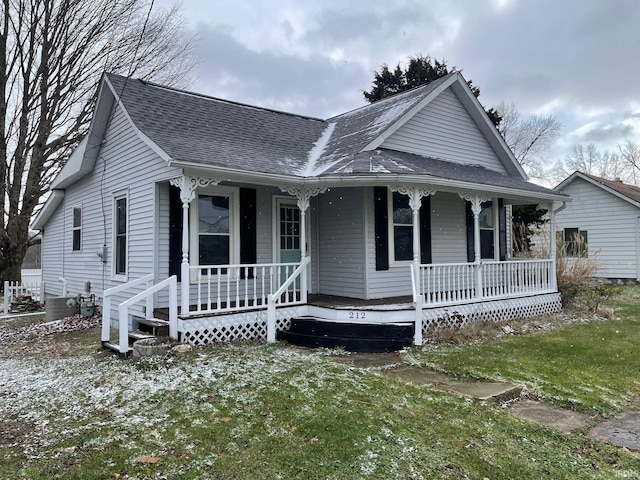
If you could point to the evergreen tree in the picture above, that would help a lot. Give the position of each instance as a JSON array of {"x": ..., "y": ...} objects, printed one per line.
[{"x": 420, "y": 71}]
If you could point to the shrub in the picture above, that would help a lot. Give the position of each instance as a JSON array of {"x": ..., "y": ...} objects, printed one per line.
[{"x": 575, "y": 264}]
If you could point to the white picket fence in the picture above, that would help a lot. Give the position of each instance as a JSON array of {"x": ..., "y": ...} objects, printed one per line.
[{"x": 31, "y": 285}]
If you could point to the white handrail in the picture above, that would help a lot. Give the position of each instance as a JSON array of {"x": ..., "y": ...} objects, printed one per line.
[
  {"x": 276, "y": 295},
  {"x": 106, "y": 302},
  {"x": 275, "y": 298},
  {"x": 123, "y": 310}
]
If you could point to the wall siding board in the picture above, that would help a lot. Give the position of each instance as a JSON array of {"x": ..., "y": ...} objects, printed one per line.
[
  {"x": 124, "y": 163},
  {"x": 611, "y": 224},
  {"x": 445, "y": 130},
  {"x": 448, "y": 228},
  {"x": 448, "y": 233},
  {"x": 341, "y": 242}
]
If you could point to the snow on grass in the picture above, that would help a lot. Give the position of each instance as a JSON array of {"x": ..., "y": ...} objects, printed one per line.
[{"x": 62, "y": 397}]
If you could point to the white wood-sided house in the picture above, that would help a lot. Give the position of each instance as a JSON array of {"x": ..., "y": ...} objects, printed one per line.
[
  {"x": 238, "y": 219},
  {"x": 605, "y": 216}
]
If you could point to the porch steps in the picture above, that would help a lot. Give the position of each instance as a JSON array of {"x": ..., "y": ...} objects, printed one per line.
[
  {"x": 147, "y": 328},
  {"x": 353, "y": 337}
]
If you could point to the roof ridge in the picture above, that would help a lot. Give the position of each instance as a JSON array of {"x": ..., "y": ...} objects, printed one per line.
[
  {"x": 395, "y": 96},
  {"x": 217, "y": 99},
  {"x": 617, "y": 185}
]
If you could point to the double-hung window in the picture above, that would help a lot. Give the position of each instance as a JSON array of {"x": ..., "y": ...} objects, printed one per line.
[
  {"x": 401, "y": 225},
  {"x": 120, "y": 235},
  {"x": 77, "y": 229},
  {"x": 214, "y": 220},
  {"x": 487, "y": 222}
]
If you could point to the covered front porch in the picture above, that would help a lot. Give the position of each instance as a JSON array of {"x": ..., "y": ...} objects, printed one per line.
[{"x": 234, "y": 301}]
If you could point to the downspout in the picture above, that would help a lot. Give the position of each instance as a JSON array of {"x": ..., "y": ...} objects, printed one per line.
[{"x": 552, "y": 243}]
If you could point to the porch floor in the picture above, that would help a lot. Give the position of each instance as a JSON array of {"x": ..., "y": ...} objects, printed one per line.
[
  {"x": 328, "y": 301},
  {"x": 337, "y": 302}
]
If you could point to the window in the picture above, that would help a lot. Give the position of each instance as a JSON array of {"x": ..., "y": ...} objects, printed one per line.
[
  {"x": 487, "y": 231},
  {"x": 214, "y": 235},
  {"x": 215, "y": 227},
  {"x": 120, "y": 229},
  {"x": 575, "y": 242},
  {"x": 401, "y": 234},
  {"x": 77, "y": 229}
]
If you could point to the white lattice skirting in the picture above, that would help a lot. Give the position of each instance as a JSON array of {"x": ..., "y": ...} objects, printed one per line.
[
  {"x": 239, "y": 326},
  {"x": 497, "y": 310}
]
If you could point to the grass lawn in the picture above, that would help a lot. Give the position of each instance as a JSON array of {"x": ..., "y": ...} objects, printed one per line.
[
  {"x": 265, "y": 412},
  {"x": 590, "y": 367}
]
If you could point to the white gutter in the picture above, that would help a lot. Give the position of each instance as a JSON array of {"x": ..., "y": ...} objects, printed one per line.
[{"x": 229, "y": 174}]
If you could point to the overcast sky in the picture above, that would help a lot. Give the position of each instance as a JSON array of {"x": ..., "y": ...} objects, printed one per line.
[{"x": 576, "y": 59}]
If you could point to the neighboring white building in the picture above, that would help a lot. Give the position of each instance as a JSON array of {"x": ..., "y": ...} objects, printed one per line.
[{"x": 606, "y": 215}]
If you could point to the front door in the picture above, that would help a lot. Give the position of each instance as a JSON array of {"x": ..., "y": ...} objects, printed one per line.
[{"x": 288, "y": 243}]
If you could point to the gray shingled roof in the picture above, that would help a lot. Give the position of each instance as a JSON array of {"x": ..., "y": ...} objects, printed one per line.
[
  {"x": 205, "y": 130},
  {"x": 391, "y": 162},
  {"x": 210, "y": 131}
]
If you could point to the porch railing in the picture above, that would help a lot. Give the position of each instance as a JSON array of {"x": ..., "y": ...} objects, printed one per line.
[
  {"x": 147, "y": 296},
  {"x": 226, "y": 288},
  {"x": 450, "y": 283},
  {"x": 516, "y": 277}
]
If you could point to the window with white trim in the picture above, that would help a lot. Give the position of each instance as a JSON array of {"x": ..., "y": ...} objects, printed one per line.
[
  {"x": 487, "y": 222},
  {"x": 120, "y": 235},
  {"x": 215, "y": 227},
  {"x": 401, "y": 228},
  {"x": 76, "y": 241}
]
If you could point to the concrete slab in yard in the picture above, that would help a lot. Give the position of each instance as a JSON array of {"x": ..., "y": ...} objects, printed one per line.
[
  {"x": 622, "y": 431},
  {"x": 418, "y": 375},
  {"x": 368, "y": 360},
  {"x": 566, "y": 421},
  {"x": 498, "y": 392}
]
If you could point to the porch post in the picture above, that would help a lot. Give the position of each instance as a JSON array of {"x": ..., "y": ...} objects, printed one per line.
[
  {"x": 552, "y": 248},
  {"x": 476, "y": 207},
  {"x": 415, "y": 195},
  {"x": 187, "y": 186},
  {"x": 303, "y": 196}
]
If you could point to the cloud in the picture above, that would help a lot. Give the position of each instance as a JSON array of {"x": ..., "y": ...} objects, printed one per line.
[
  {"x": 314, "y": 86},
  {"x": 570, "y": 58}
]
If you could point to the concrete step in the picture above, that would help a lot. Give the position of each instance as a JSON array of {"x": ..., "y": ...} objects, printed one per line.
[
  {"x": 323, "y": 327},
  {"x": 351, "y": 344}
]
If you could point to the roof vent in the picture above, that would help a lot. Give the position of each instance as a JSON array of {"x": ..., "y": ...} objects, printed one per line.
[{"x": 619, "y": 180}]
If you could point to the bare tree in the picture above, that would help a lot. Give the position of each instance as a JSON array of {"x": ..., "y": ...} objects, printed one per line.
[
  {"x": 528, "y": 137},
  {"x": 630, "y": 154},
  {"x": 594, "y": 162},
  {"x": 52, "y": 53}
]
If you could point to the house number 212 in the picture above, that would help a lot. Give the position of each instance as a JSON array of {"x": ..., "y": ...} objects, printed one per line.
[{"x": 356, "y": 315}]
